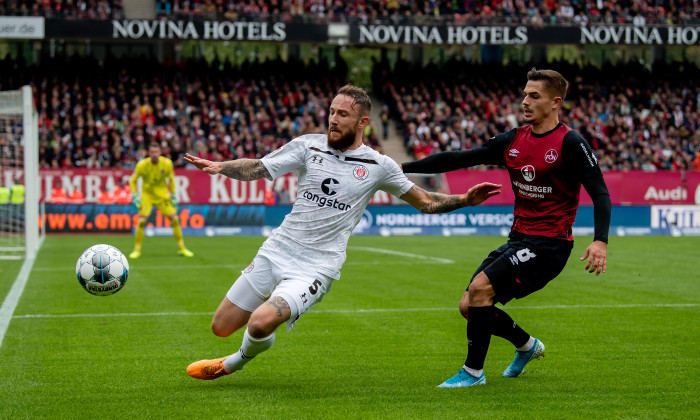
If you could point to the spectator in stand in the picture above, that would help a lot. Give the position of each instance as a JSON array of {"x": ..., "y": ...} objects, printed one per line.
[
  {"x": 507, "y": 12},
  {"x": 696, "y": 161},
  {"x": 76, "y": 197},
  {"x": 224, "y": 114},
  {"x": 122, "y": 195},
  {"x": 79, "y": 9},
  {"x": 221, "y": 113},
  {"x": 283, "y": 194},
  {"x": 17, "y": 191},
  {"x": 269, "y": 198},
  {"x": 58, "y": 194},
  {"x": 385, "y": 122},
  {"x": 4, "y": 195},
  {"x": 105, "y": 197},
  {"x": 652, "y": 121}
]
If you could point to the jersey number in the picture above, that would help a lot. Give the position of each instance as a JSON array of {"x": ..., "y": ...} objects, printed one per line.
[
  {"x": 525, "y": 254},
  {"x": 314, "y": 287}
]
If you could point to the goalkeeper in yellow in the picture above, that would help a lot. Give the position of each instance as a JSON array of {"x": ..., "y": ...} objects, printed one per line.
[{"x": 154, "y": 192}]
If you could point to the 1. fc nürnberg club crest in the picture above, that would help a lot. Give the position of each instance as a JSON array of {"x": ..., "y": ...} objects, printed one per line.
[
  {"x": 551, "y": 156},
  {"x": 360, "y": 172}
]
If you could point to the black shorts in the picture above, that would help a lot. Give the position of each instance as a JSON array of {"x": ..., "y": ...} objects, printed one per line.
[{"x": 525, "y": 264}]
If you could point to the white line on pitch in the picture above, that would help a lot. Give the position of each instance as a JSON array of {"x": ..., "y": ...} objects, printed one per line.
[
  {"x": 12, "y": 298},
  {"x": 403, "y": 254},
  {"x": 372, "y": 310},
  {"x": 240, "y": 266},
  {"x": 161, "y": 267},
  {"x": 426, "y": 260}
]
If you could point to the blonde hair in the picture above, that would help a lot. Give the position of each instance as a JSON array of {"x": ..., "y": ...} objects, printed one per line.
[{"x": 359, "y": 97}]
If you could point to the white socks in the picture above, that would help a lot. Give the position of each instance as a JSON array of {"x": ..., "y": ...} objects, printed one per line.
[
  {"x": 250, "y": 348},
  {"x": 475, "y": 373},
  {"x": 527, "y": 346}
]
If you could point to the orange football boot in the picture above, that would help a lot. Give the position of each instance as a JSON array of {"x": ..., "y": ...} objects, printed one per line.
[{"x": 208, "y": 369}]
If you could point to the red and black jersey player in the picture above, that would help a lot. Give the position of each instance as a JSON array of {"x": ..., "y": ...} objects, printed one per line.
[{"x": 547, "y": 162}]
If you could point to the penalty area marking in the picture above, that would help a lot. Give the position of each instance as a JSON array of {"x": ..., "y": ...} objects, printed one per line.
[
  {"x": 371, "y": 310},
  {"x": 239, "y": 267},
  {"x": 403, "y": 254}
]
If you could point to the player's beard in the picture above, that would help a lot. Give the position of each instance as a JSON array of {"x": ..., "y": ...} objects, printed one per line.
[{"x": 346, "y": 139}]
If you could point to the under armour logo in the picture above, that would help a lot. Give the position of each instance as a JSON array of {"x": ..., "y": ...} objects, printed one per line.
[{"x": 317, "y": 159}]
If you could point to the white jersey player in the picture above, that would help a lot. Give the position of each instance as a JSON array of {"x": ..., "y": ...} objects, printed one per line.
[
  {"x": 334, "y": 189},
  {"x": 296, "y": 266}
]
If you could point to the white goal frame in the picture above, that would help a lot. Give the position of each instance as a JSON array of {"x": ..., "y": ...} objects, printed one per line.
[{"x": 20, "y": 103}]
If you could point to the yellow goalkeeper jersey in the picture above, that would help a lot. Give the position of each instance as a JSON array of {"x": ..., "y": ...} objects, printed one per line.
[{"x": 154, "y": 176}]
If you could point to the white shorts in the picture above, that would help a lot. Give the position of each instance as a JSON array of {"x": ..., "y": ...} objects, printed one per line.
[{"x": 274, "y": 273}]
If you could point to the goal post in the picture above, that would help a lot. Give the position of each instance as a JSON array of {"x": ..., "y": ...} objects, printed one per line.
[{"x": 19, "y": 163}]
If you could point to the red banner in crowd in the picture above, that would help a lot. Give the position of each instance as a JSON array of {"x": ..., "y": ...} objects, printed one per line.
[
  {"x": 626, "y": 188},
  {"x": 193, "y": 186}
]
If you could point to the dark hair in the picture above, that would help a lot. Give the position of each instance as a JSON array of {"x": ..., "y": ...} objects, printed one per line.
[
  {"x": 359, "y": 96},
  {"x": 554, "y": 82},
  {"x": 154, "y": 144}
]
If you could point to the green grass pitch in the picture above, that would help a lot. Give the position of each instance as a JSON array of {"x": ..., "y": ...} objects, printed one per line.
[{"x": 622, "y": 345}]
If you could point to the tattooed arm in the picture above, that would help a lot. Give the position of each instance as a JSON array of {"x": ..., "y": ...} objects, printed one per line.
[
  {"x": 240, "y": 169},
  {"x": 245, "y": 169},
  {"x": 428, "y": 202}
]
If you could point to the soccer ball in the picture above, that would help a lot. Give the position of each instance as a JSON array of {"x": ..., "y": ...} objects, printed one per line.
[{"x": 102, "y": 270}]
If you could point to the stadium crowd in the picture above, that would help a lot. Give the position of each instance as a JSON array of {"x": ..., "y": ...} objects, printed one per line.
[
  {"x": 457, "y": 12},
  {"x": 527, "y": 12},
  {"x": 650, "y": 121},
  {"x": 93, "y": 115},
  {"x": 64, "y": 9},
  {"x": 104, "y": 115}
]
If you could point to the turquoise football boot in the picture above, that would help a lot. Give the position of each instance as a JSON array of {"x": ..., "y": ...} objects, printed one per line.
[
  {"x": 463, "y": 379},
  {"x": 522, "y": 358}
]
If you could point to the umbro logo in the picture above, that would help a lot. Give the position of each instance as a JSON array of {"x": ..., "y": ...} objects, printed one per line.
[{"x": 513, "y": 152}]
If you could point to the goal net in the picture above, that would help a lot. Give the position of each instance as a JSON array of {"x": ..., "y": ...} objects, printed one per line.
[{"x": 19, "y": 175}]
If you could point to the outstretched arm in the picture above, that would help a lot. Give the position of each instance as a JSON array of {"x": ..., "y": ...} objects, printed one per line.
[
  {"x": 490, "y": 153},
  {"x": 240, "y": 169},
  {"x": 445, "y": 161},
  {"x": 428, "y": 202}
]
